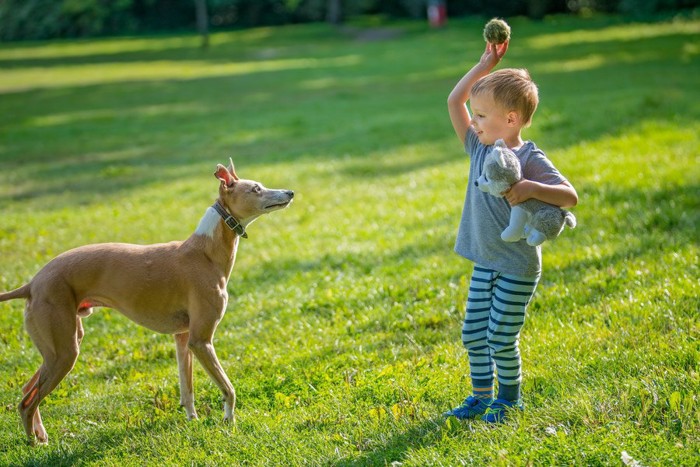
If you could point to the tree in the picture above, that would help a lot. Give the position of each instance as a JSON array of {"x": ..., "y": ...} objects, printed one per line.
[
  {"x": 202, "y": 21},
  {"x": 334, "y": 14}
]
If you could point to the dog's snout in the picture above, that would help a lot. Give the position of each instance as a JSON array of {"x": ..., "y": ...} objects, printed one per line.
[{"x": 290, "y": 193}]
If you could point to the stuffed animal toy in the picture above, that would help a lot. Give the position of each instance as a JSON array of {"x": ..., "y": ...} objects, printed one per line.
[{"x": 533, "y": 219}]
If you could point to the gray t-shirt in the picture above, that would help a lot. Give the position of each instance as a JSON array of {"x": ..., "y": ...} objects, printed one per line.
[{"x": 485, "y": 216}]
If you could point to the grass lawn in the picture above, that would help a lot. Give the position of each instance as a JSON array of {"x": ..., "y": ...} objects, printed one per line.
[{"x": 342, "y": 335}]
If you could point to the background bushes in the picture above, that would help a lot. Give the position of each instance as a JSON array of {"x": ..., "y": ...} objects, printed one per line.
[{"x": 46, "y": 19}]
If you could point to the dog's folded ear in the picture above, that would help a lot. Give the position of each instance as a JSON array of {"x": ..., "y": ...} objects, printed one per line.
[{"x": 223, "y": 174}]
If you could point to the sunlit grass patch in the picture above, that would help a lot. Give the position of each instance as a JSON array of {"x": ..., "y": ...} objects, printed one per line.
[{"x": 342, "y": 334}]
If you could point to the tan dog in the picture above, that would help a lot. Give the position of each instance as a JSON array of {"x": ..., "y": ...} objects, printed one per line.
[{"x": 176, "y": 288}]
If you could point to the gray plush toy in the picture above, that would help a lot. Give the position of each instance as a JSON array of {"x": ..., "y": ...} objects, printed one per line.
[{"x": 533, "y": 219}]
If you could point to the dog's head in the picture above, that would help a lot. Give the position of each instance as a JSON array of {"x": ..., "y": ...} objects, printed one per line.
[
  {"x": 248, "y": 199},
  {"x": 501, "y": 169}
]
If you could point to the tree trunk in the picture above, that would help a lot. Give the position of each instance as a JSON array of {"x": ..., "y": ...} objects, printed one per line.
[
  {"x": 334, "y": 14},
  {"x": 202, "y": 21}
]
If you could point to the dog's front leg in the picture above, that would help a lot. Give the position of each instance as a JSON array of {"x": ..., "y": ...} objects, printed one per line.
[
  {"x": 184, "y": 365},
  {"x": 203, "y": 349}
]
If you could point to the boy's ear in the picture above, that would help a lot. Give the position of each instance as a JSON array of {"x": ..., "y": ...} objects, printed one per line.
[{"x": 513, "y": 118}]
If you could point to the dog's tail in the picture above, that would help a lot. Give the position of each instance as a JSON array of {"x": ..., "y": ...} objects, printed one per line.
[
  {"x": 570, "y": 220},
  {"x": 22, "y": 292}
]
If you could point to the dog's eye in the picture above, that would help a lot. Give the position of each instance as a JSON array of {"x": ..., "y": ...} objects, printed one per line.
[{"x": 256, "y": 189}]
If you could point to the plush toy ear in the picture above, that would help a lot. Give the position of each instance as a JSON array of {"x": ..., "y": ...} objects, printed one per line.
[
  {"x": 224, "y": 174},
  {"x": 231, "y": 169},
  {"x": 501, "y": 159},
  {"x": 498, "y": 148}
]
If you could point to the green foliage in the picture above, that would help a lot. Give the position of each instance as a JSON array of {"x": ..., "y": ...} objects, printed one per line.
[
  {"x": 45, "y": 19},
  {"x": 342, "y": 332},
  {"x": 32, "y": 19},
  {"x": 631, "y": 8}
]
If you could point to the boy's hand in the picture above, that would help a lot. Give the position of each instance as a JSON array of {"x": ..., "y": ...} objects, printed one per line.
[
  {"x": 519, "y": 192},
  {"x": 493, "y": 54}
]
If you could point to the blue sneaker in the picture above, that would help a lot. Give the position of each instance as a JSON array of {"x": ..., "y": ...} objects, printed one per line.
[
  {"x": 497, "y": 411},
  {"x": 472, "y": 407}
]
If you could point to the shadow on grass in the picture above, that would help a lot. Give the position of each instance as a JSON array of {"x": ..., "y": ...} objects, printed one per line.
[
  {"x": 421, "y": 436},
  {"x": 124, "y": 132},
  {"x": 91, "y": 439},
  {"x": 224, "y": 47},
  {"x": 61, "y": 453},
  {"x": 65, "y": 458}
]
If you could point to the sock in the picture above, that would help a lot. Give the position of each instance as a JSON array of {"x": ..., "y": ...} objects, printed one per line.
[
  {"x": 483, "y": 389},
  {"x": 509, "y": 392}
]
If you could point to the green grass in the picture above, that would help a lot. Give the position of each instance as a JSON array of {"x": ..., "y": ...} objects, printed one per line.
[{"x": 342, "y": 335}]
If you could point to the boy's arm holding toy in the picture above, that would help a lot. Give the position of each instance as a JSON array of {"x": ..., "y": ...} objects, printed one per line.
[
  {"x": 456, "y": 102},
  {"x": 563, "y": 195},
  {"x": 497, "y": 37}
]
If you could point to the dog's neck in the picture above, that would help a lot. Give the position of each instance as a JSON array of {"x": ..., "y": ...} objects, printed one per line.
[
  {"x": 230, "y": 220},
  {"x": 215, "y": 215},
  {"x": 217, "y": 240}
]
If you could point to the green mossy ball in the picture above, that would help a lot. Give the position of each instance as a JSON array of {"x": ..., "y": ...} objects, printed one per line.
[{"x": 496, "y": 31}]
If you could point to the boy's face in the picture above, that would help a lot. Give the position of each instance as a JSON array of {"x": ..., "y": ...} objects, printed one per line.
[{"x": 490, "y": 120}]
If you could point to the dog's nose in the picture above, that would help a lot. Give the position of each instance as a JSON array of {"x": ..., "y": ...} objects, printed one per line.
[
  {"x": 476, "y": 182},
  {"x": 290, "y": 193}
]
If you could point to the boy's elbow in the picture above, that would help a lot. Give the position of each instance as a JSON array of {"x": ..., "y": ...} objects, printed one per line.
[
  {"x": 454, "y": 100},
  {"x": 455, "y": 106},
  {"x": 571, "y": 198}
]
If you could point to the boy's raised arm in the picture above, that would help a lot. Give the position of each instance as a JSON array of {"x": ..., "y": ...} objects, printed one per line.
[{"x": 457, "y": 100}]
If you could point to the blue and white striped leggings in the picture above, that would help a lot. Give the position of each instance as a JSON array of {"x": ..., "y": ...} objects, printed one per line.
[{"x": 495, "y": 315}]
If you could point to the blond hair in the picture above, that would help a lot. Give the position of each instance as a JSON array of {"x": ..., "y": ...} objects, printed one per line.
[{"x": 512, "y": 89}]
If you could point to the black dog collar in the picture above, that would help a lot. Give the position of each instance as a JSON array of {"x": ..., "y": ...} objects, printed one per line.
[{"x": 229, "y": 220}]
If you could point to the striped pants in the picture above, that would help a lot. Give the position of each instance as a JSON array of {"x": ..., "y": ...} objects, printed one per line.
[{"x": 495, "y": 315}]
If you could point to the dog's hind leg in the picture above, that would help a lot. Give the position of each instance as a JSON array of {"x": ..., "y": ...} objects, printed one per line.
[
  {"x": 54, "y": 331},
  {"x": 38, "y": 429},
  {"x": 184, "y": 365}
]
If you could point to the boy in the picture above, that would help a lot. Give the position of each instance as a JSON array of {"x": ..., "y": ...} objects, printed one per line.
[{"x": 505, "y": 274}]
